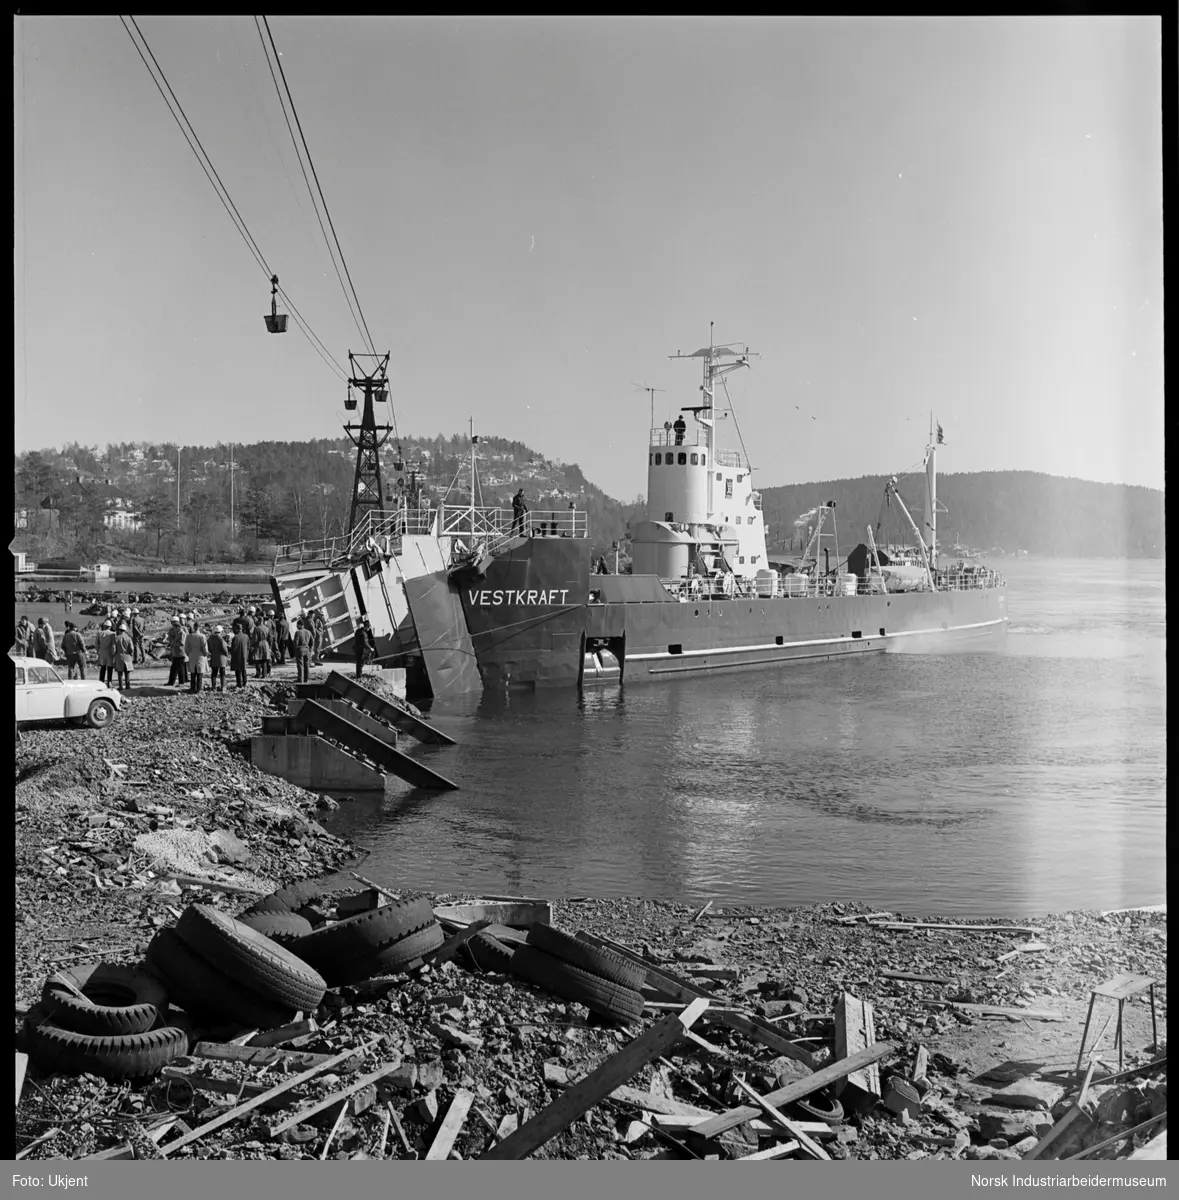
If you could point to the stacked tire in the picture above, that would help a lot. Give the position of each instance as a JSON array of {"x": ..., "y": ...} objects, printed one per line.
[
  {"x": 383, "y": 941},
  {"x": 227, "y": 971},
  {"x": 104, "y": 1019},
  {"x": 606, "y": 983}
]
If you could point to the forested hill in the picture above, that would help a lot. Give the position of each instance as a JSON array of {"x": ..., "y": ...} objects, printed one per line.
[{"x": 988, "y": 510}]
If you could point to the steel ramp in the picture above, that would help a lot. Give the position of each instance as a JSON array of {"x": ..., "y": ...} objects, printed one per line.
[
  {"x": 392, "y": 714},
  {"x": 313, "y": 717}
]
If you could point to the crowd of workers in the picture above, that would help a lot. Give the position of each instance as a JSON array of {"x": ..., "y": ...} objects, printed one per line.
[{"x": 258, "y": 638}]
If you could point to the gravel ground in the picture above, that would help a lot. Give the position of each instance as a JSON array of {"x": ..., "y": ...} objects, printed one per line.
[{"x": 95, "y": 811}]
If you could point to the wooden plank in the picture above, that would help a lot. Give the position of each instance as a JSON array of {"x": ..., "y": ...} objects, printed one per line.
[
  {"x": 257, "y": 1056},
  {"x": 400, "y": 1129},
  {"x": 453, "y": 944},
  {"x": 1145, "y": 1069},
  {"x": 332, "y": 1134},
  {"x": 1122, "y": 987},
  {"x": 658, "y": 1104},
  {"x": 687, "y": 1122},
  {"x": 519, "y": 915},
  {"x": 1026, "y": 948},
  {"x": 310, "y": 1110},
  {"x": 124, "y": 1150},
  {"x": 37, "y": 1141},
  {"x": 451, "y": 1125},
  {"x": 705, "y": 1045},
  {"x": 873, "y": 916},
  {"x": 212, "y": 885},
  {"x": 910, "y": 977},
  {"x": 800, "y": 1088},
  {"x": 855, "y": 1030},
  {"x": 1032, "y": 1014},
  {"x": 284, "y": 1033},
  {"x": 1126, "y": 1133},
  {"x": 773, "y": 1152},
  {"x": 578, "y": 1099},
  {"x": 285, "y": 1086},
  {"x": 807, "y": 1143},
  {"x": 701, "y": 912},
  {"x": 1028, "y": 929},
  {"x": 385, "y": 1116},
  {"x": 760, "y": 1031},
  {"x": 723, "y": 974},
  {"x": 22, "y": 1065}
]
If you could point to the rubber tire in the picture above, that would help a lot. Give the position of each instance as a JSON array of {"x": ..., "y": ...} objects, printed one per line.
[
  {"x": 282, "y": 927},
  {"x": 133, "y": 1056},
  {"x": 287, "y": 899},
  {"x": 489, "y": 954},
  {"x": 244, "y": 954},
  {"x": 399, "y": 956},
  {"x": 99, "y": 715},
  {"x": 207, "y": 991},
  {"x": 120, "y": 1001},
  {"x": 596, "y": 961},
  {"x": 506, "y": 934},
  {"x": 571, "y": 983},
  {"x": 829, "y": 1109},
  {"x": 364, "y": 934}
]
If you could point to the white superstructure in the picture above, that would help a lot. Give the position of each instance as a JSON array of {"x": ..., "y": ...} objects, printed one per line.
[{"x": 704, "y": 518}]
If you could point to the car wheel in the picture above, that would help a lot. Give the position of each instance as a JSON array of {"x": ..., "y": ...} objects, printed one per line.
[{"x": 99, "y": 714}]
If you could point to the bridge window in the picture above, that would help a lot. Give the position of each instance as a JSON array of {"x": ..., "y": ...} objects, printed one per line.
[
  {"x": 738, "y": 520},
  {"x": 683, "y": 459},
  {"x": 669, "y": 516},
  {"x": 741, "y": 560},
  {"x": 704, "y": 460},
  {"x": 739, "y": 478},
  {"x": 718, "y": 477},
  {"x": 669, "y": 460},
  {"x": 695, "y": 459},
  {"x": 659, "y": 460},
  {"x": 755, "y": 558},
  {"x": 728, "y": 489}
]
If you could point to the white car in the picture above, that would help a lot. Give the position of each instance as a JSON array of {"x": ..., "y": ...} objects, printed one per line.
[{"x": 43, "y": 695}]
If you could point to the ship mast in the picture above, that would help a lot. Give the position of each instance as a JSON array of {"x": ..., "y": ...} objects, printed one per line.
[{"x": 705, "y": 411}]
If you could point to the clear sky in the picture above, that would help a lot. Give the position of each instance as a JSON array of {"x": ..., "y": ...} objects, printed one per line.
[{"x": 898, "y": 214}]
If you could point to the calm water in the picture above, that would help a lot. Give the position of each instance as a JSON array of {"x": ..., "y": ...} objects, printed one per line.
[{"x": 1019, "y": 782}]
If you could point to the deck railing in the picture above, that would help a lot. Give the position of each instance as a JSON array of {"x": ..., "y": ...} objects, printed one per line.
[{"x": 799, "y": 586}]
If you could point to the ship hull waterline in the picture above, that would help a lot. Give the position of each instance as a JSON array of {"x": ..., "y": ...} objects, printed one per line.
[{"x": 531, "y": 623}]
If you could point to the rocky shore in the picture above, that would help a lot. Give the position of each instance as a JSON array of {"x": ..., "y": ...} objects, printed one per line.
[{"x": 112, "y": 825}]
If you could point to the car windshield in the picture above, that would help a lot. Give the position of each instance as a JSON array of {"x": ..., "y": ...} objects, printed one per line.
[{"x": 43, "y": 675}]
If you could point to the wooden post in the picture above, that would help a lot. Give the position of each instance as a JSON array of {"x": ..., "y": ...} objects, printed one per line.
[{"x": 855, "y": 1030}]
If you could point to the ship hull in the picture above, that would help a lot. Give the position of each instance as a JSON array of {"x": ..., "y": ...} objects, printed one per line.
[{"x": 532, "y": 621}]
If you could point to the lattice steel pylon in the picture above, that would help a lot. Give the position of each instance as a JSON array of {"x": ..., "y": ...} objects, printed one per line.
[{"x": 368, "y": 437}]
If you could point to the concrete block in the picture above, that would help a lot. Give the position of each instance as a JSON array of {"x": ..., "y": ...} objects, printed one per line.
[{"x": 312, "y": 763}]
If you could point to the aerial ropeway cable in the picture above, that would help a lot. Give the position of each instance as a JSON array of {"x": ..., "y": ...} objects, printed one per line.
[
  {"x": 275, "y": 322},
  {"x": 302, "y": 150}
]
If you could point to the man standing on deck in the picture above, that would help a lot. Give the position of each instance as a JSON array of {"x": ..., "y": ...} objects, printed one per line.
[
  {"x": 680, "y": 428},
  {"x": 364, "y": 645},
  {"x": 519, "y": 510},
  {"x": 302, "y": 650}
]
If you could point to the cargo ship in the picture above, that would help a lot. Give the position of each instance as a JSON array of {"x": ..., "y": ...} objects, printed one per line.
[{"x": 482, "y": 598}]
